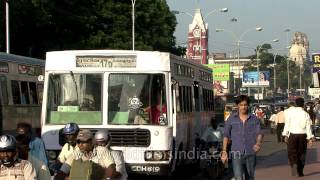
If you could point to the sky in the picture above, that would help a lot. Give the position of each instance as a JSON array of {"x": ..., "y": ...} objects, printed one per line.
[{"x": 275, "y": 16}]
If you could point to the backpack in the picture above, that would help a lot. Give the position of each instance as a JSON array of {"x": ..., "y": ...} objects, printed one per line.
[{"x": 86, "y": 170}]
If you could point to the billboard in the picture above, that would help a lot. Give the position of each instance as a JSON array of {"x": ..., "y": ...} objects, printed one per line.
[
  {"x": 316, "y": 62},
  {"x": 221, "y": 72},
  {"x": 220, "y": 88},
  {"x": 256, "y": 79}
]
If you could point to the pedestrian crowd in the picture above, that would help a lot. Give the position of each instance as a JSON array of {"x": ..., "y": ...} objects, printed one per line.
[{"x": 243, "y": 129}]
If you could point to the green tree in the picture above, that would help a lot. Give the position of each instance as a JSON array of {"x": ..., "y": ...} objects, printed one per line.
[{"x": 38, "y": 26}]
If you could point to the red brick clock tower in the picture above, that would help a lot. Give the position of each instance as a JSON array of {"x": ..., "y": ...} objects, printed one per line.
[{"x": 197, "y": 48}]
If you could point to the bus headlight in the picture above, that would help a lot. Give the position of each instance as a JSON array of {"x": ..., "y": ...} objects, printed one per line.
[
  {"x": 148, "y": 155},
  {"x": 157, "y": 155}
]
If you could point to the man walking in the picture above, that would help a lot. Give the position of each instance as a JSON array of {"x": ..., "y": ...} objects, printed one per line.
[
  {"x": 297, "y": 132},
  {"x": 244, "y": 130},
  {"x": 280, "y": 123}
]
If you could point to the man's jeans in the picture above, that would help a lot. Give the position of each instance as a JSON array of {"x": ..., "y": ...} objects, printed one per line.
[{"x": 244, "y": 164}]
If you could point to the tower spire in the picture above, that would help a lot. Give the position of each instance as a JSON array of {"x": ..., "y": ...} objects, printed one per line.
[{"x": 197, "y": 4}]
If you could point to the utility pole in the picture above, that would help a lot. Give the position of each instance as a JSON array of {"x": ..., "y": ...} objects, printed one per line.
[{"x": 7, "y": 28}]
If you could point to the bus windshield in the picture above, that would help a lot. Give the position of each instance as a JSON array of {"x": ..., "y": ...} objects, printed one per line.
[
  {"x": 137, "y": 99},
  {"x": 74, "y": 98}
]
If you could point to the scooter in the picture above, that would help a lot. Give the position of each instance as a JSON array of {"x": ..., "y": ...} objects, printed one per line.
[{"x": 214, "y": 166}]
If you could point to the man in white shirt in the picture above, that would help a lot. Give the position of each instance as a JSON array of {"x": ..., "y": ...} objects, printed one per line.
[
  {"x": 272, "y": 122},
  {"x": 102, "y": 139},
  {"x": 87, "y": 152},
  {"x": 297, "y": 133},
  {"x": 280, "y": 120}
]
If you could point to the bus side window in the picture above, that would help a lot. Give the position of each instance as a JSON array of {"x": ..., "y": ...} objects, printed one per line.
[
  {"x": 24, "y": 93},
  {"x": 196, "y": 97},
  {"x": 181, "y": 98},
  {"x": 40, "y": 93},
  {"x": 16, "y": 99},
  {"x": 178, "y": 102},
  {"x": 3, "y": 90},
  {"x": 33, "y": 93}
]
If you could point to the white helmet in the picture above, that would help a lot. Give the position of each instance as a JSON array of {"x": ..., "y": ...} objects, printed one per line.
[
  {"x": 7, "y": 142},
  {"x": 102, "y": 135}
]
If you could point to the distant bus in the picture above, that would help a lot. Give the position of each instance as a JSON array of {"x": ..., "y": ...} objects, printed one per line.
[
  {"x": 114, "y": 89},
  {"x": 20, "y": 91}
]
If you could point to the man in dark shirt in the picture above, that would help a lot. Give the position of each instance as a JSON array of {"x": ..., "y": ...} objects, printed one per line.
[{"x": 244, "y": 130}]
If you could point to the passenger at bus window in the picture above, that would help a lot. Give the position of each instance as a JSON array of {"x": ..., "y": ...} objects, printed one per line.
[
  {"x": 88, "y": 103},
  {"x": 24, "y": 98},
  {"x": 36, "y": 144},
  {"x": 155, "y": 111}
]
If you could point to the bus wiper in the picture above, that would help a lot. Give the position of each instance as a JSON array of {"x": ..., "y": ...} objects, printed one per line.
[{"x": 76, "y": 86}]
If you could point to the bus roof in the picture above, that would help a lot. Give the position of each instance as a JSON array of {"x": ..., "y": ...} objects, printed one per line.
[
  {"x": 4, "y": 57},
  {"x": 97, "y": 60}
]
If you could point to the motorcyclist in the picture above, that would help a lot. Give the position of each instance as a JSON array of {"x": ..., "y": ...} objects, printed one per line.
[
  {"x": 11, "y": 166},
  {"x": 70, "y": 132},
  {"x": 102, "y": 138}
]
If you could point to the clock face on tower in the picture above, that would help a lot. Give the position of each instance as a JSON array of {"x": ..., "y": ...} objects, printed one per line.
[{"x": 196, "y": 33}]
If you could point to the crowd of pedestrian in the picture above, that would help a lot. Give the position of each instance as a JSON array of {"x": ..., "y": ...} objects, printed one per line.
[{"x": 293, "y": 127}]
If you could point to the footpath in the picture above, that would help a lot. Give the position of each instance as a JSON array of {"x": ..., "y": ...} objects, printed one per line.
[{"x": 272, "y": 162}]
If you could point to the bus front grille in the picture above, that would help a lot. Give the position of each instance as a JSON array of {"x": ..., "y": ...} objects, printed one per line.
[{"x": 130, "y": 137}]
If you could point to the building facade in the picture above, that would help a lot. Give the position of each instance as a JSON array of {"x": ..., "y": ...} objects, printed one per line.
[{"x": 299, "y": 50}]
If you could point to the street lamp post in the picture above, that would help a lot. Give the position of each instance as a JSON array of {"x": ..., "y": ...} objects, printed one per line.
[
  {"x": 7, "y": 28},
  {"x": 274, "y": 73},
  {"x": 215, "y": 10},
  {"x": 133, "y": 2},
  {"x": 238, "y": 41},
  {"x": 288, "y": 73}
]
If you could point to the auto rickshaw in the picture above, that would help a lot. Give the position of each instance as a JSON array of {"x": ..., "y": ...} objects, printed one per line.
[{"x": 229, "y": 109}]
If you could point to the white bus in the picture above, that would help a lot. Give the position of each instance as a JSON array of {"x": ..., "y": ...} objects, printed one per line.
[
  {"x": 20, "y": 91},
  {"x": 152, "y": 103}
]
